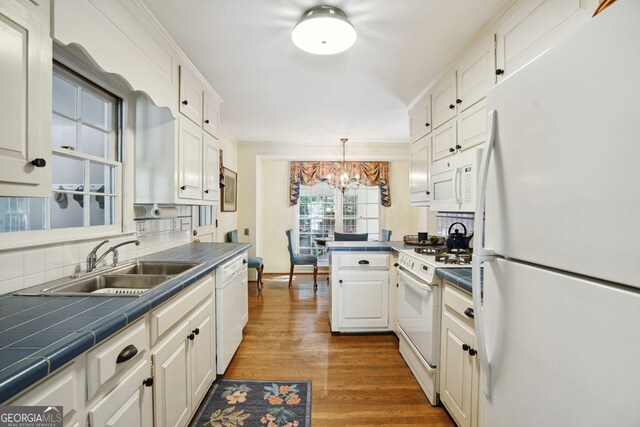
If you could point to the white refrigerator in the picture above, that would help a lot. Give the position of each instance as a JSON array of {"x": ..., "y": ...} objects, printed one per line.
[{"x": 558, "y": 319}]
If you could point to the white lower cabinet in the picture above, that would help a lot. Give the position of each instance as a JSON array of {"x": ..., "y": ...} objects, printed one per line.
[
  {"x": 63, "y": 388},
  {"x": 459, "y": 365},
  {"x": 184, "y": 357},
  {"x": 360, "y": 292},
  {"x": 172, "y": 394},
  {"x": 202, "y": 351},
  {"x": 127, "y": 405}
]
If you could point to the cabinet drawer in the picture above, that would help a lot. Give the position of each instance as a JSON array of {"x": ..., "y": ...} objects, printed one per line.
[
  {"x": 102, "y": 362},
  {"x": 363, "y": 260},
  {"x": 170, "y": 313},
  {"x": 457, "y": 302}
]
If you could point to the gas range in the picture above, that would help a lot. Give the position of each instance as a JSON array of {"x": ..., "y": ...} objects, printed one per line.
[{"x": 423, "y": 261}]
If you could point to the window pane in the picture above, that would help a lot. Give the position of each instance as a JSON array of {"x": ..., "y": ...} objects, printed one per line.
[
  {"x": 94, "y": 142},
  {"x": 102, "y": 178},
  {"x": 372, "y": 211},
  {"x": 63, "y": 132},
  {"x": 64, "y": 97},
  {"x": 21, "y": 214},
  {"x": 68, "y": 173},
  {"x": 96, "y": 111},
  {"x": 102, "y": 210},
  {"x": 67, "y": 210}
]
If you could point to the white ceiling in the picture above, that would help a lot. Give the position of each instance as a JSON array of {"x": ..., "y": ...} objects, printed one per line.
[{"x": 274, "y": 92}]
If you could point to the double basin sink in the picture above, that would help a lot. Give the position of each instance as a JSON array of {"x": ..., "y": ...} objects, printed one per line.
[{"x": 127, "y": 280}]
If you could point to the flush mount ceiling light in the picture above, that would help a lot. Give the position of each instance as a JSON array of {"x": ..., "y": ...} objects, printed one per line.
[{"x": 324, "y": 30}]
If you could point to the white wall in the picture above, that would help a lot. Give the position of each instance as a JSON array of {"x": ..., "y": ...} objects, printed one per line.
[
  {"x": 227, "y": 221},
  {"x": 263, "y": 192}
]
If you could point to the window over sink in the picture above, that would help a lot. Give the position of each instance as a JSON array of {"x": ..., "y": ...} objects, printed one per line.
[{"x": 86, "y": 161}]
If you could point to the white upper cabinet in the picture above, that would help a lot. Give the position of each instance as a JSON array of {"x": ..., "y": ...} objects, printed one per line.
[
  {"x": 532, "y": 26},
  {"x": 25, "y": 110},
  {"x": 211, "y": 168},
  {"x": 189, "y": 160},
  {"x": 191, "y": 95},
  {"x": 420, "y": 162},
  {"x": 420, "y": 118},
  {"x": 444, "y": 140},
  {"x": 472, "y": 126},
  {"x": 444, "y": 99},
  {"x": 476, "y": 72},
  {"x": 211, "y": 114}
]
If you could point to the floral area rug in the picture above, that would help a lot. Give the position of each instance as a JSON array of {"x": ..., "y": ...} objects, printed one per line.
[{"x": 256, "y": 403}]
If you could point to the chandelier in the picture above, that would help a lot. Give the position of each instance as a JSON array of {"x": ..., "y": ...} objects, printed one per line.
[{"x": 343, "y": 182}]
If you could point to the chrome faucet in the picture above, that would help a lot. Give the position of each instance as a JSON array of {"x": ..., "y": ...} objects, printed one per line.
[
  {"x": 91, "y": 258},
  {"x": 114, "y": 249}
]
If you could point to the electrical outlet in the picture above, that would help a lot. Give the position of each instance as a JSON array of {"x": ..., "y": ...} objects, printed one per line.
[
  {"x": 140, "y": 228},
  {"x": 246, "y": 231}
]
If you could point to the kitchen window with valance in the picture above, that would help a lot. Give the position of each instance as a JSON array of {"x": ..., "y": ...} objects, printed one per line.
[{"x": 312, "y": 173}]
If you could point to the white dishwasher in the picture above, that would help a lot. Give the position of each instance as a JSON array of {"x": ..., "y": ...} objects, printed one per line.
[{"x": 232, "y": 308}]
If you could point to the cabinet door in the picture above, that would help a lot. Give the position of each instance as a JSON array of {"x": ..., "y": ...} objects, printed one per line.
[
  {"x": 211, "y": 117},
  {"x": 420, "y": 161},
  {"x": 457, "y": 366},
  {"x": 445, "y": 140},
  {"x": 420, "y": 118},
  {"x": 191, "y": 94},
  {"x": 363, "y": 299},
  {"x": 202, "y": 351},
  {"x": 531, "y": 27},
  {"x": 25, "y": 110},
  {"x": 211, "y": 169},
  {"x": 60, "y": 389},
  {"x": 476, "y": 72},
  {"x": 190, "y": 161},
  {"x": 472, "y": 126},
  {"x": 172, "y": 388},
  {"x": 444, "y": 99},
  {"x": 127, "y": 405}
]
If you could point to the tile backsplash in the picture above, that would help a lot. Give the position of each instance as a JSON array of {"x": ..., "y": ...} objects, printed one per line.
[
  {"x": 22, "y": 268},
  {"x": 445, "y": 219}
]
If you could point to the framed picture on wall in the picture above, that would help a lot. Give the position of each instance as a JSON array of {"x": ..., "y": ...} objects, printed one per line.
[{"x": 229, "y": 193}]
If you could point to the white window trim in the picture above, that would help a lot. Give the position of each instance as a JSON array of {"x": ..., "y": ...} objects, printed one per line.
[
  {"x": 338, "y": 197},
  {"x": 124, "y": 225}
]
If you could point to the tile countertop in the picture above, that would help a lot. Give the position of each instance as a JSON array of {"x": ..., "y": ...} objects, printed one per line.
[
  {"x": 368, "y": 246},
  {"x": 39, "y": 334},
  {"x": 459, "y": 276}
]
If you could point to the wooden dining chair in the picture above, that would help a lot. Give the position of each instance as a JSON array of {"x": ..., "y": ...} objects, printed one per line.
[
  {"x": 254, "y": 261},
  {"x": 297, "y": 259}
]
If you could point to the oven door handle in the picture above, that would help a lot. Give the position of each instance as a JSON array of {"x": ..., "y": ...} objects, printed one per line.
[{"x": 413, "y": 282}]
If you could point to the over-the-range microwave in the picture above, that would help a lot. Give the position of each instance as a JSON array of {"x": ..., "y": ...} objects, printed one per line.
[{"x": 454, "y": 182}]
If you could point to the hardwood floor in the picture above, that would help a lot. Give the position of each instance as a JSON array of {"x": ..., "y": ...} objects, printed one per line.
[{"x": 358, "y": 380}]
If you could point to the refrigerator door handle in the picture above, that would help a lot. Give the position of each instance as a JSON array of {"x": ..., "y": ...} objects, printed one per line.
[{"x": 481, "y": 254}]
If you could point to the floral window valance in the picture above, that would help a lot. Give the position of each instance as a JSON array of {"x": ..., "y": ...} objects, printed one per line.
[{"x": 310, "y": 173}]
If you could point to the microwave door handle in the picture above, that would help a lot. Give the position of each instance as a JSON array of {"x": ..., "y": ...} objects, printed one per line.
[
  {"x": 455, "y": 184},
  {"x": 481, "y": 254}
]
